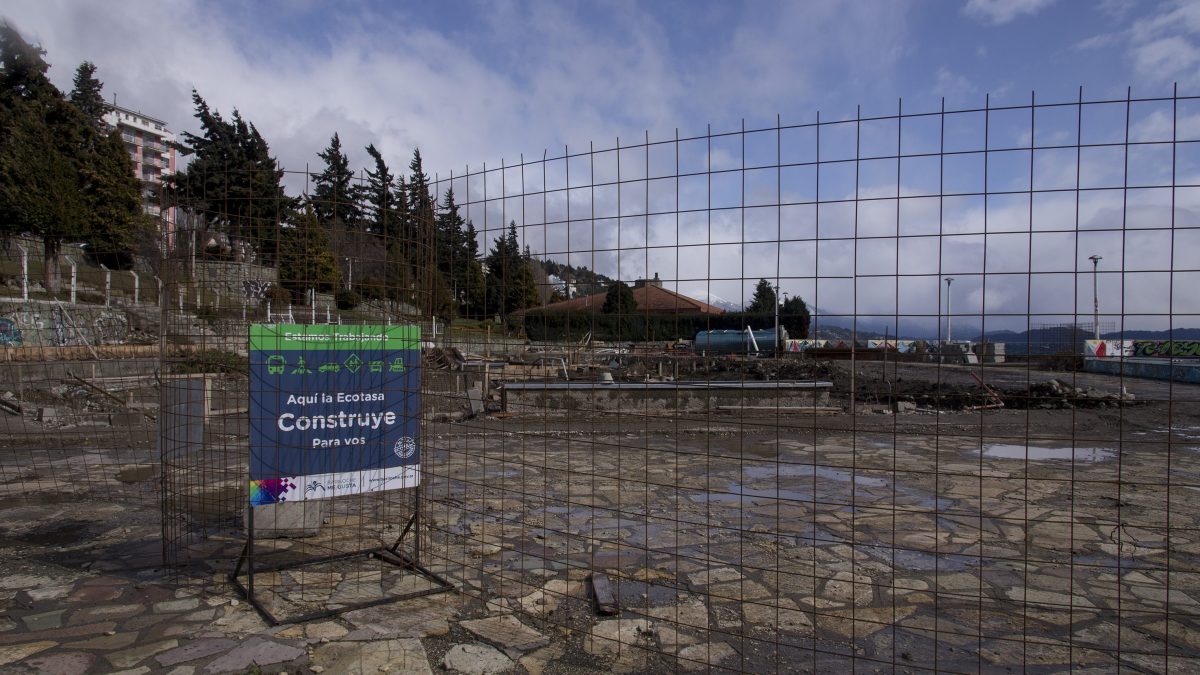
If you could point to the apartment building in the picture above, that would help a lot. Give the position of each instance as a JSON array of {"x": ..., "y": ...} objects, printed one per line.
[{"x": 151, "y": 146}]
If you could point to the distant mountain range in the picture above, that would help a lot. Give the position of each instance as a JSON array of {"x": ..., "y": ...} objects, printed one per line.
[{"x": 1035, "y": 341}]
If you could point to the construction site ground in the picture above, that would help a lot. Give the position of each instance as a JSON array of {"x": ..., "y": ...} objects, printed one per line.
[{"x": 923, "y": 527}]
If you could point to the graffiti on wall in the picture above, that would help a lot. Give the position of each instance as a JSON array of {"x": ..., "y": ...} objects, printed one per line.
[
  {"x": 1166, "y": 347},
  {"x": 1147, "y": 348},
  {"x": 256, "y": 289},
  {"x": 10, "y": 335},
  {"x": 58, "y": 327}
]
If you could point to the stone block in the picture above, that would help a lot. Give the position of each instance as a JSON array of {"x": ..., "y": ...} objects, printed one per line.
[{"x": 288, "y": 519}]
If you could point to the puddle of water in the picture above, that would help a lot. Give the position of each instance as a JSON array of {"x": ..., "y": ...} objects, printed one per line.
[
  {"x": 1011, "y": 451},
  {"x": 57, "y": 535},
  {"x": 752, "y": 473}
]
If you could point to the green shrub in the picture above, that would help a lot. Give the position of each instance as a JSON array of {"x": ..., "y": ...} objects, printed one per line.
[{"x": 347, "y": 299}]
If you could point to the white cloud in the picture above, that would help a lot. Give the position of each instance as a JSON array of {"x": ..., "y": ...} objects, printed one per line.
[
  {"x": 950, "y": 84},
  {"x": 997, "y": 12},
  {"x": 1163, "y": 46},
  {"x": 532, "y": 77}
]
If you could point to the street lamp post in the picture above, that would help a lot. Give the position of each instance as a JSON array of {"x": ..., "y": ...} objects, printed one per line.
[
  {"x": 776, "y": 303},
  {"x": 1095, "y": 296},
  {"x": 949, "y": 313}
]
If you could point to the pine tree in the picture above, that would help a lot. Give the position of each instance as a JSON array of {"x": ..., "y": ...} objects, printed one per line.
[
  {"x": 619, "y": 299},
  {"x": 117, "y": 221},
  {"x": 335, "y": 196},
  {"x": 305, "y": 259},
  {"x": 764, "y": 299},
  {"x": 457, "y": 255},
  {"x": 60, "y": 178},
  {"x": 86, "y": 94},
  {"x": 511, "y": 286},
  {"x": 385, "y": 212},
  {"x": 232, "y": 183},
  {"x": 795, "y": 317},
  {"x": 474, "y": 299}
]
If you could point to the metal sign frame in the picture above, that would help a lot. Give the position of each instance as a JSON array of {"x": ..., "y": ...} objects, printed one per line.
[{"x": 334, "y": 411}]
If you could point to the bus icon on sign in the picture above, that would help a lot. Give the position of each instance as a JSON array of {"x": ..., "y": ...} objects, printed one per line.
[{"x": 275, "y": 364}]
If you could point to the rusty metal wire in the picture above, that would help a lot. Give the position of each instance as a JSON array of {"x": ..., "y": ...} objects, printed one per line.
[{"x": 979, "y": 452}]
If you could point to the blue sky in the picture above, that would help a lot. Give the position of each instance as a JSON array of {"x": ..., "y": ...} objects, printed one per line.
[
  {"x": 480, "y": 81},
  {"x": 475, "y": 82}
]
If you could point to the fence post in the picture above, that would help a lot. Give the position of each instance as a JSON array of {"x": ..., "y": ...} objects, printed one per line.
[
  {"x": 24, "y": 273},
  {"x": 137, "y": 287},
  {"x": 107, "y": 285},
  {"x": 74, "y": 273}
]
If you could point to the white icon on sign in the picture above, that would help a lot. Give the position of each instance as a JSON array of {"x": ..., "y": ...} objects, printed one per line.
[{"x": 405, "y": 447}]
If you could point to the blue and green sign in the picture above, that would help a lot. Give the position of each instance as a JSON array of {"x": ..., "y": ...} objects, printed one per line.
[{"x": 334, "y": 410}]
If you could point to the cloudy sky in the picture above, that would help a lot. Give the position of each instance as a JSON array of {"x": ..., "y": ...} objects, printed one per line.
[{"x": 493, "y": 82}]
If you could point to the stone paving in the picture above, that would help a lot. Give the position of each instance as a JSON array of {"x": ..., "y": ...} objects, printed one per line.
[{"x": 739, "y": 551}]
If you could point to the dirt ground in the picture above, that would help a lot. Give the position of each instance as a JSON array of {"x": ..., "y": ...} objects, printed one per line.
[{"x": 1058, "y": 532}]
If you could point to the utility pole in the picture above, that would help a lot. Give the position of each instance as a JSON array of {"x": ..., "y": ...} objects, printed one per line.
[
  {"x": 775, "y": 301},
  {"x": 1095, "y": 296},
  {"x": 949, "y": 313}
]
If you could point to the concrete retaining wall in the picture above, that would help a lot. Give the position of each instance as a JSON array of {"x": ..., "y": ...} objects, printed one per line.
[
  {"x": 1154, "y": 369},
  {"x": 549, "y": 397}
]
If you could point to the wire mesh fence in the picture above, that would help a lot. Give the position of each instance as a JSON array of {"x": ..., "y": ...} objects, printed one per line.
[{"x": 911, "y": 391}]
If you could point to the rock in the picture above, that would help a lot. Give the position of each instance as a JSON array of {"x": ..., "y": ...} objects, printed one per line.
[
  {"x": 185, "y": 605},
  {"x": 714, "y": 576},
  {"x": 507, "y": 633},
  {"x": 692, "y": 613},
  {"x": 131, "y": 657},
  {"x": 43, "y": 620},
  {"x": 12, "y": 653},
  {"x": 61, "y": 663},
  {"x": 288, "y": 519},
  {"x": 326, "y": 630},
  {"x": 254, "y": 651},
  {"x": 420, "y": 617},
  {"x": 781, "y": 615},
  {"x": 191, "y": 651},
  {"x": 848, "y": 587},
  {"x": 536, "y": 662},
  {"x": 705, "y": 656},
  {"x": 476, "y": 659},
  {"x": 609, "y": 638},
  {"x": 362, "y": 658}
]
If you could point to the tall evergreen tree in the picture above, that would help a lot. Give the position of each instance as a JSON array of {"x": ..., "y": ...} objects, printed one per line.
[
  {"x": 117, "y": 220},
  {"x": 86, "y": 94},
  {"x": 458, "y": 255},
  {"x": 384, "y": 199},
  {"x": 795, "y": 317},
  {"x": 59, "y": 178},
  {"x": 474, "y": 299},
  {"x": 335, "y": 195},
  {"x": 510, "y": 283},
  {"x": 232, "y": 183},
  {"x": 764, "y": 299},
  {"x": 619, "y": 299},
  {"x": 305, "y": 259}
]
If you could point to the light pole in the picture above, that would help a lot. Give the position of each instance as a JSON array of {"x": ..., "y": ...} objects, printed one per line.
[
  {"x": 1095, "y": 296},
  {"x": 949, "y": 313},
  {"x": 776, "y": 303}
]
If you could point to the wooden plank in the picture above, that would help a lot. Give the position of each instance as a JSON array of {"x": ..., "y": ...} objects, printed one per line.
[{"x": 604, "y": 595}]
